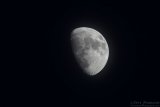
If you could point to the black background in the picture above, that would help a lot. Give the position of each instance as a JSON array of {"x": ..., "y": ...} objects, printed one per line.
[{"x": 50, "y": 75}]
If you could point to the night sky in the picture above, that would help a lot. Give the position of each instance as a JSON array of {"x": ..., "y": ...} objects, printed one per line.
[{"x": 131, "y": 73}]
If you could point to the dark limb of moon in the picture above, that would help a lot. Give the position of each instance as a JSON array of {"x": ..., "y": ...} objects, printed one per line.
[
  {"x": 84, "y": 62},
  {"x": 80, "y": 51},
  {"x": 77, "y": 45}
]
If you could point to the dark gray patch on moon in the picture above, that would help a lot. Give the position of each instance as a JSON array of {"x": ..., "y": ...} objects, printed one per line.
[
  {"x": 95, "y": 44},
  {"x": 103, "y": 45},
  {"x": 89, "y": 42}
]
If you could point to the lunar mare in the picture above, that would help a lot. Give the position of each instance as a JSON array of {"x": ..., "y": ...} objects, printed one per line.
[{"x": 90, "y": 49}]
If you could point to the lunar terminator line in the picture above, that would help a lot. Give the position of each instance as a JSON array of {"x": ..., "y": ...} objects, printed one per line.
[{"x": 90, "y": 49}]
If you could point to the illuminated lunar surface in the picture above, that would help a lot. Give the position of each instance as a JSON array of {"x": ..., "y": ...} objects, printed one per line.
[{"x": 90, "y": 49}]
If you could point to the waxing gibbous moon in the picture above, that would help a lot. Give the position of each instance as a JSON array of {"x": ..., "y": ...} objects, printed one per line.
[{"x": 90, "y": 49}]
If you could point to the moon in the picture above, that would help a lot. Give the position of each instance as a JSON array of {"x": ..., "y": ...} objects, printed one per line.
[{"x": 90, "y": 49}]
